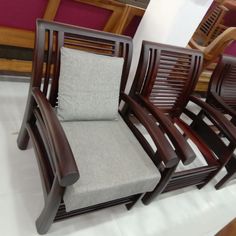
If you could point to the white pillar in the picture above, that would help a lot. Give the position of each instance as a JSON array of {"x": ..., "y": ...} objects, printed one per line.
[{"x": 170, "y": 22}]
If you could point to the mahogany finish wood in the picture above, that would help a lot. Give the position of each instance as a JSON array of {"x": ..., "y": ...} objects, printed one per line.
[
  {"x": 222, "y": 95},
  {"x": 165, "y": 78},
  {"x": 55, "y": 158}
]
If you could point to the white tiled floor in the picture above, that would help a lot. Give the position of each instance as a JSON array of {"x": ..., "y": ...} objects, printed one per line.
[{"x": 182, "y": 213}]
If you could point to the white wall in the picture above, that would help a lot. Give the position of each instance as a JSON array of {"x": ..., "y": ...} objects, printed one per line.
[{"x": 170, "y": 22}]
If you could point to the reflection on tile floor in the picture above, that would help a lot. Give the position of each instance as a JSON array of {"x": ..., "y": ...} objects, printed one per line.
[{"x": 182, "y": 213}]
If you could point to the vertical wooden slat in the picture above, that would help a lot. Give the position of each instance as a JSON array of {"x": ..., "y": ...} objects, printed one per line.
[
  {"x": 49, "y": 61},
  {"x": 114, "y": 18},
  {"x": 120, "y": 25},
  {"x": 56, "y": 70},
  {"x": 51, "y": 9}
]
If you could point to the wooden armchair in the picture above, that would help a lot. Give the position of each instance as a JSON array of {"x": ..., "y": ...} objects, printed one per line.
[
  {"x": 222, "y": 95},
  {"x": 88, "y": 157},
  {"x": 165, "y": 78},
  {"x": 211, "y": 25},
  {"x": 217, "y": 46}
]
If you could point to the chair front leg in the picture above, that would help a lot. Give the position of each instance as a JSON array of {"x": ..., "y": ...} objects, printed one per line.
[
  {"x": 23, "y": 136},
  {"x": 165, "y": 179},
  {"x": 233, "y": 120},
  {"x": 225, "y": 180},
  {"x": 50, "y": 209}
]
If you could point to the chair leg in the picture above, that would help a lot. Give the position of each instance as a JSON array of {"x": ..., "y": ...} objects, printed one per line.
[
  {"x": 225, "y": 180},
  {"x": 210, "y": 177},
  {"x": 148, "y": 197},
  {"x": 23, "y": 136},
  {"x": 131, "y": 204},
  {"x": 200, "y": 186},
  {"x": 50, "y": 209},
  {"x": 233, "y": 120}
]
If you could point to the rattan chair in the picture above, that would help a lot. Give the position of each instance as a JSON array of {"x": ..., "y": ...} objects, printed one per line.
[
  {"x": 222, "y": 95},
  {"x": 165, "y": 78},
  {"x": 88, "y": 157}
]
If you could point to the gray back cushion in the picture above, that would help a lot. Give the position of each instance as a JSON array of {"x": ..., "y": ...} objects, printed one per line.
[{"x": 89, "y": 86}]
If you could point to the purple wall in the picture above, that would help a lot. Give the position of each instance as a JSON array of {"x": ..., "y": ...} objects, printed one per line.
[
  {"x": 81, "y": 14},
  {"x": 21, "y": 13},
  {"x": 132, "y": 27},
  {"x": 230, "y": 20},
  {"x": 231, "y": 49}
]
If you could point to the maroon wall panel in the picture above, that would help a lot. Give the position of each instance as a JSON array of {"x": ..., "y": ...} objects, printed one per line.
[
  {"x": 21, "y": 13},
  {"x": 230, "y": 18},
  {"x": 231, "y": 49},
  {"x": 132, "y": 27},
  {"x": 81, "y": 14}
]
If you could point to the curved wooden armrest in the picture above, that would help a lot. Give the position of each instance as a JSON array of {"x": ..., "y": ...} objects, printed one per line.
[
  {"x": 222, "y": 104},
  {"x": 66, "y": 168},
  {"x": 217, "y": 46},
  {"x": 164, "y": 148},
  {"x": 230, "y": 4},
  {"x": 183, "y": 149},
  {"x": 194, "y": 45},
  {"x": 223, "y": 7},
  {"x": 223, "y": 124}
]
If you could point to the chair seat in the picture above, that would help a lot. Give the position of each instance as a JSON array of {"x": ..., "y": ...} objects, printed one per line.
[{"x": 111, "y": 162}]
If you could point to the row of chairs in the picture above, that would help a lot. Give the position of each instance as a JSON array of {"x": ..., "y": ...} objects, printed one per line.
[{"x": 93, "y": 153}]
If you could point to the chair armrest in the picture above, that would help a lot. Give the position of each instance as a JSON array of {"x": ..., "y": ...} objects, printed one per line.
[
  {"x": 217, "y": 46},
  {"x": 230, "y": 4},
  {"x": 63, "y": 159},
  {"x": 222, "y": 104},
  {"x": 164, "y": 148},
  {"x": 223, "y": 7},
  {"x": 223, "y": 124},
  {"x": 183, "y": 149},
  {"x": 194, "y": 45}
]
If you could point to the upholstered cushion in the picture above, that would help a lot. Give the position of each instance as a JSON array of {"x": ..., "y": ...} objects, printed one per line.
[
  {"x": 88, "y": 85},
  {"x": 111, "y": 162}
]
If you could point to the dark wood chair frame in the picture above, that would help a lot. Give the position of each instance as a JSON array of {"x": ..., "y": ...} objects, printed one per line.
[
  {"x": 54, "y": 156},
  {"x": 165, "y": 78},
  {"x": 222, "y": 96}
]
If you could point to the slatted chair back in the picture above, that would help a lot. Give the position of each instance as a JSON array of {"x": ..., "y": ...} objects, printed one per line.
[
  {"x": 211, "y": 25},
  {"x": 165, "y": 78},
  {"x": 167, "y": 75},
  {"x": 53, "y": 36},
  {"x": 223, "y": 80}
]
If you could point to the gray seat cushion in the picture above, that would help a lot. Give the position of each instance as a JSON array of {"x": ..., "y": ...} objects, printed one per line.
[
  {"x": 89, "y": 86},
  {"x": 111, "y": 162}
]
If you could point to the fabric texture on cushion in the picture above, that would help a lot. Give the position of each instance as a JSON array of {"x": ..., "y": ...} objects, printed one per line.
[
  {"x": 89, "y": 85},
  {"x": 111, "y": 161}
]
